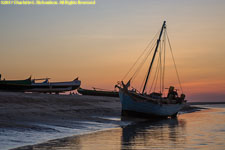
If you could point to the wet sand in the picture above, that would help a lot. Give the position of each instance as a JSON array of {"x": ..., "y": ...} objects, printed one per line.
[
  {"x": 46, "y": 113},
  {"x": 54, "y": 109},
  {"x": 31, "y": 114},
  {"x": 199, "y": 130}
]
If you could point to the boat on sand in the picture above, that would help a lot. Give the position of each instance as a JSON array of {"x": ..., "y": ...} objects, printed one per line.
[
  {"x": 54, "y": 87},
  {"x": 98, "y": 92},
  {"x": 15, "y": 85},
  {"x": 30, "y": 85},
  {"x": 152, "y": 104}
]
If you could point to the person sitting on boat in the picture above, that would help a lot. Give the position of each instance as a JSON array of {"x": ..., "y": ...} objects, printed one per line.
[
  {"x": 172, "y": 94},
  {"x": 181, "y": 98}
]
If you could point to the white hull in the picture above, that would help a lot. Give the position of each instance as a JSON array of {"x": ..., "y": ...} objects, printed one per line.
[
  {"x": 148, "y": 107},
  {"x": 48, "y": 87}
]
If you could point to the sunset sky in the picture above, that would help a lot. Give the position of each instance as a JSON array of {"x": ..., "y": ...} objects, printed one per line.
[{"x": 99, "y": 43}]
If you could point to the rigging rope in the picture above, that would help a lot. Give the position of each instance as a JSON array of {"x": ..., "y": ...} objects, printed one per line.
[
  {"x": 142, "y": 84},
  {"x": 174, "y": 62},
  {"x": 164, "y": 60},
  {"x": 160, "y": 58},
  {"x": 140, "y": 55},
  {"x": 142, "y": 63},
  {"x": 160, "y": 67},
  {"x": 158, "y": 72},
  {"x": 155, "y": 77}
]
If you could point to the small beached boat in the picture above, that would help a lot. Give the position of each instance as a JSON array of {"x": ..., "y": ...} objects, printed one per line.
[
  {"x": 15, "y": 85},
  {"x": 29, "y": 85},
  {"x": 54, "y": 87},
  {"x": 152, "y": 104},
  {"x": 95, "y": 92}
]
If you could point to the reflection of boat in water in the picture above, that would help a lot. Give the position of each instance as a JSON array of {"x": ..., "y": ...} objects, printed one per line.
[
  {"x": 29, "y": 85},
  {"x": 154, "y": 103},
  {"x": 153, "y": 134},
  {"x": 54, "y": 87},
  {"x": 99, "y": 92}
]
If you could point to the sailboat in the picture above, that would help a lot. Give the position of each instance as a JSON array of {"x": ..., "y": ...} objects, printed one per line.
[{"x": 152, "y": 104}]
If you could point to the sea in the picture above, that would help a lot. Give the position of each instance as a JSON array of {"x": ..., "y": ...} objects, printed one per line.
[{"x": 203, "y": 129}]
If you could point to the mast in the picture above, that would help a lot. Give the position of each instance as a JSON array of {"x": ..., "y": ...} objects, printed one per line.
[{"x": 156, "y": 48}]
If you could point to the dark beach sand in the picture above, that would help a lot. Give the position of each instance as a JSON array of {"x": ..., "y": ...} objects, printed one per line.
[
  {"x": 54, "y": 109},
  {"x": 33, "y": 113},
  {"x": 26, "y": 111}
]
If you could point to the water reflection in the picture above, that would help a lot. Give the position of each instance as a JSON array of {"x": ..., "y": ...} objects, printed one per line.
[
  {"x": 199, "y": 130},
  {"x": 153, "y": 134},
  {"x": 139, "y": 135}
]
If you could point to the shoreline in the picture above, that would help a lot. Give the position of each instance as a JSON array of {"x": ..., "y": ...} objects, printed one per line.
[
  {"x": 31, "y": 115},
  {"x": 59, "y": 116}
]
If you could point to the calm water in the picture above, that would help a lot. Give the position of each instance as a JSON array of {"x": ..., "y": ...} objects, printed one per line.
[{"x": 199, "y": 130}]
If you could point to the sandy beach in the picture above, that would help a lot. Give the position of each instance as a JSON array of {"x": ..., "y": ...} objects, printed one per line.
[
  {"x": 46, "y": 112},
  {"x": 31, "y": 114}
]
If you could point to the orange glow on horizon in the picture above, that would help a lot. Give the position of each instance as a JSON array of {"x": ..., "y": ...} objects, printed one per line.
[{"x": 99, "y": 45}]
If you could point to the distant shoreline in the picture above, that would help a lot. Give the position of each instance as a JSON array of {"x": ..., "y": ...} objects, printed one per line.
[{"x": 204, "y": 103}]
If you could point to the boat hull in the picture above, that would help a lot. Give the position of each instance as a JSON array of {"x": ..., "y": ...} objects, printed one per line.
[
  {"x": 28, "y": 85},
  {"x": 98, "y": 93},
  {"x": 15, "y": 85},
  {"x": 54, "y": 87},
  {"x": 147, "y": 108}
]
